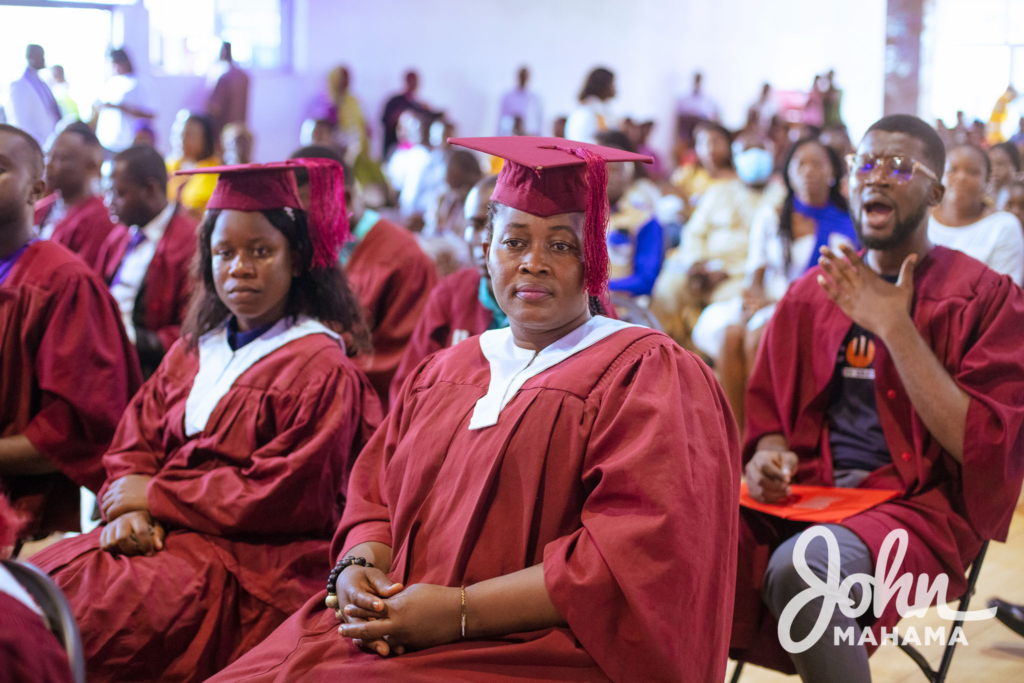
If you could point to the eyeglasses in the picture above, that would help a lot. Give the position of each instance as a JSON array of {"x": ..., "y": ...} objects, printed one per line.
[{"x": 897, "y": 169}]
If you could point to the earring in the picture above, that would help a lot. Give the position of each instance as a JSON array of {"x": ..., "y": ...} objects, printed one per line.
[{"x": 832, "y": 182}]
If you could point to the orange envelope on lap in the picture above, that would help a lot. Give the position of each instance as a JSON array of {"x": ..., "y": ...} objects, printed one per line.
[{"x": 822, "y": 504}]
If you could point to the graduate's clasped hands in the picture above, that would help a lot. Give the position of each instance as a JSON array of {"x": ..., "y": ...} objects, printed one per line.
[
  {"x": 388, "y": 618},
  {"x": 131, "y": 530}
]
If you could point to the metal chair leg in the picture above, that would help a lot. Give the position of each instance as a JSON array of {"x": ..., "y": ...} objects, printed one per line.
[{"x": 736, "y": 672}]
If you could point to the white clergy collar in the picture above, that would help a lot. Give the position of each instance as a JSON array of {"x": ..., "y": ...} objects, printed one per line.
[
  {"x": 220, "y": 366},
  {"x": 511, "y": 366}
]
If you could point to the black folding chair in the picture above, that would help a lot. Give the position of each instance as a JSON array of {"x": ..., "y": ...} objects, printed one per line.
[
  {"x": 56, "y": 609},
  {"x": 933, "y": 675}
]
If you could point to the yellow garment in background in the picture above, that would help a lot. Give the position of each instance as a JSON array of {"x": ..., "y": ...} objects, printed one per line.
[
  {"x": 195, "y": 190},
  {"x": 693, "y": 181},
  {"x": 994, "y": 129},
  {"x": 352, "y": 125}
]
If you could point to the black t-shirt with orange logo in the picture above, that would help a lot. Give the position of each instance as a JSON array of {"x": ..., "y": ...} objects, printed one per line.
[{"x": 855, "y": 433}]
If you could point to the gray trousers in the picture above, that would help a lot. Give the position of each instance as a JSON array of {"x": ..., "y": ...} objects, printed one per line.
[{"x": 824, "y": 662}]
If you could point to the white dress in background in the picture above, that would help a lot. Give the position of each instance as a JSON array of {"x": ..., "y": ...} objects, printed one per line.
[
  {"x": 996, "y": 240},
  {"x": 114, "y": 128},
  {"x": 590, "y": 117},
  {"x": 765, "y": 251}
]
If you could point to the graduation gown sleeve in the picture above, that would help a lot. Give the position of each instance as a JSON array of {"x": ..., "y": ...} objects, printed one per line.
[
  {"x": 367, "y": 517},
  {"x": 990, "y": 372},
  {"x": 264, "y": 495},
  {"x": 85, "y": 367},
  {"x": 656, "y": 554},
  {"x": 28, "y": 651}
]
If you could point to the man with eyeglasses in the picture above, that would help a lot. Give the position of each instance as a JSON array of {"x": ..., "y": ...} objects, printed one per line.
[{"x": 898, "y": 368}]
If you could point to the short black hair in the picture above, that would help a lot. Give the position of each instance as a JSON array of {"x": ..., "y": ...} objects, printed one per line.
[
  {"x": 38, "y": 159},
  {"x": 615, "y": 139},
  {"x": 934, "y": 150},
  {"x": 142, "y": 163},
  {"x": 319, "y": 152},
  {"x": 1011, "y": 151},
  {"x": 82, "y": 129},
  {"x": 716, "y": 127},
  {"x": 466, "y": 161},
  {"x": 978, "y": 151}
]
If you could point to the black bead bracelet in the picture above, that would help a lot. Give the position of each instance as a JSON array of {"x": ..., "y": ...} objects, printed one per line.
[{"x": 343, "y": 564}]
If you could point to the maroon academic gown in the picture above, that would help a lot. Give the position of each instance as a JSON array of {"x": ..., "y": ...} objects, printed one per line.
[
  {"x": 453, "y": 313},
  {"x": 167, "y": 284},
  {"x": 28, "y": 651},
  {"x": 634, "y": 524},
  {"x": 972, "y": 319},
  {"x": 83, "y": 229},
  {"x": 392, "y": 278},
  {"x": 67, "y": 371},
  {"x": 249, "y": 505}
]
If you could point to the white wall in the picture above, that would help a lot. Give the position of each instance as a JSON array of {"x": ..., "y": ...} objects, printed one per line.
[{"x": 467, "y": 52}]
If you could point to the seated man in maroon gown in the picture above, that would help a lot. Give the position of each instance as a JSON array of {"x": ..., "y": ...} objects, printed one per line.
[
  {"x": 898, "y": 369},
  {"x": 389, "y": 273},
  {"x": 74, "y": 215},
  {"x": 67, "y": 370},
  {"x": 227, "y": 474},
  {"x": 519, "y": 516},
  {"x": 462, "y": 304},
  {"x": 147, "y": 259}
]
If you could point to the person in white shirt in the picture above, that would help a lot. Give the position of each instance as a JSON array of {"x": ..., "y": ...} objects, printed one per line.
[
  {"x": 593, "y": 114},
  {"x": 122, "y": 102},
  {"x": 522, "y": 106},
  {"x": 964, "y": 222},
  {"x": 32, "y": 106},
  {"x": 408, "y": 165}
]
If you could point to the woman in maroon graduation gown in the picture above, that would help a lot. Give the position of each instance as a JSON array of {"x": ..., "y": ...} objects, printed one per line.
[
  {"x": 549, "y": 501},
  {"x": 227, "y": 472}
]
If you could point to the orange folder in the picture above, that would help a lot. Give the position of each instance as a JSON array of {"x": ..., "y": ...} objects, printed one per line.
[{"x": 822, "y": 504}]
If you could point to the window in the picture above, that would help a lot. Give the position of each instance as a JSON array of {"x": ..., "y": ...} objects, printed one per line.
[
  {"x": 76, "y": 38},
  {"x": 977, "y": 49},
  {"x": 185, "y": 35}
]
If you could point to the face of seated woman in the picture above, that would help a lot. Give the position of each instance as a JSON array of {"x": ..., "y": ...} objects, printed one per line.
[
  {"x": 536, "y": 267},
  {"x": 252, "y": 267}
]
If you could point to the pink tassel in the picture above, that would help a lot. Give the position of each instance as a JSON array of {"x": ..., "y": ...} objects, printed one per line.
[
  {"x": 328, "y": 217},
  {"x": 595, "y": 245}
]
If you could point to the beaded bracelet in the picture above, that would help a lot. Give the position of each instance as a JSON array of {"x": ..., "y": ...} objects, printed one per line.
[
  {"x": 332, "y": 581},
  {"x": 463, "y": 612}
]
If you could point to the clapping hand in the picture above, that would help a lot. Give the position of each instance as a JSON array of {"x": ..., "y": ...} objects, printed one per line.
[{"x": 863, "y": 295}]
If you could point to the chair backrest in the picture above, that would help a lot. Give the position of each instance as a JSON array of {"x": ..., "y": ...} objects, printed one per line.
[
  {"x": 56, "y": 608},
  {"x": 629, "y": 311}
]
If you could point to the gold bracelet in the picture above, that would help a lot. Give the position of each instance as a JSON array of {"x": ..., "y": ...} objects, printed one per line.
[{"x": 463, "y": 611}]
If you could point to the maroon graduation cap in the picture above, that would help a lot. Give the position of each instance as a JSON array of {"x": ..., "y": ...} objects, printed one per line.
[
  {"x": 261, "y": 187},
  {"x": 549, "y": 176}
]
